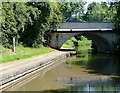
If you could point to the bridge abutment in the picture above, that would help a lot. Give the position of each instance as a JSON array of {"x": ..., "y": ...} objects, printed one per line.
[
  {"x": 101, "y": 33},
  {"x": 103, "y": 40}
]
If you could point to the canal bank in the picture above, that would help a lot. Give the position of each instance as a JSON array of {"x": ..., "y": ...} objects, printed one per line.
[
  {"x": 12, "y": 71},
  {"x": 74, "y": 74}
]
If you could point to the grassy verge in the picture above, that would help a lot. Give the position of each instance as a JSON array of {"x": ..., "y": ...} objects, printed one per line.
[
  {"x": 66, "y": 46},
  {"x": 7, "y": 55}
]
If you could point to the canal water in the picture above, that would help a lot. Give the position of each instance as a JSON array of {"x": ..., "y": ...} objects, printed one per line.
[{"x": 84, "y": 72}]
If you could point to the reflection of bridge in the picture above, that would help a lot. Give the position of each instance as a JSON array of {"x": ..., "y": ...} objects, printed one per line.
[{"x": 101, "y": 33}]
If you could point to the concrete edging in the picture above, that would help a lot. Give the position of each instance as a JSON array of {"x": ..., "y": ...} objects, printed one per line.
[{"x": 18, "y": 72}]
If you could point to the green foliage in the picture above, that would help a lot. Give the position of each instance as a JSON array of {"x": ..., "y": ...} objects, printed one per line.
[
  {"x": 8, "y": 23},
  {"x": 30, "y": 23},
  {"x": 70, "y": 8},
  {"x": 84, "y": 41},
  {"x": 21, "y": 53},
  {"x": 80, "y": 41},
  {"x": 0, "y": 11},
  {"x": 69, "y": 43},
  {"x": 104, "y": 12},
  {"x": 117, "y": 24},
  {"x": 14, "y": 20},
  {"x": 117, "y": 21}
]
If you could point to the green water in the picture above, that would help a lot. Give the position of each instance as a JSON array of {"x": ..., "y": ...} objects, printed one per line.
[
  {"x": 101, "y": 65},
  {"x": 82, "y": 73}
]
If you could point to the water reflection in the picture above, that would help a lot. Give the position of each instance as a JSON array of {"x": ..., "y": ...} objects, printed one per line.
[
  {"x": 105, "y": 65},
  {"x": 83, "y": 51},
  {"x": 92, "y": 84},
  {"x": 101, "y": 64},
  {"x": 82, "y": 73}
]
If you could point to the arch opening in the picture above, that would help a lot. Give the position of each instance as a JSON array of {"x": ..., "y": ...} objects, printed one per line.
[{"x": 98, "y": 41}]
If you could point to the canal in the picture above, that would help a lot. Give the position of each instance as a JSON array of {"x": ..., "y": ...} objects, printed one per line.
[{"x": 83, "y": 72}]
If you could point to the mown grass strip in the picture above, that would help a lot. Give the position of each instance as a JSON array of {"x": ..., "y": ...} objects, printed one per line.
[{"x": 21, "y": 53}]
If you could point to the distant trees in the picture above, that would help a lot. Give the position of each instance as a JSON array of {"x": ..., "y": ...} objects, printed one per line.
[
  {"x": 77, "y": 42},
  {"x": 94, "y": 12},
  {"x": 72, "y": 8},
  {"x": 104, "y": 11}
]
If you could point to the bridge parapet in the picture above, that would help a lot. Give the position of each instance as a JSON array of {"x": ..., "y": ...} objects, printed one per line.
[{"x": 87, "y": 25}]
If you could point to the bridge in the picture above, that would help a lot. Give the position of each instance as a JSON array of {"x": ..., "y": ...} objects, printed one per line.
[{"x": 101, "y": 33}]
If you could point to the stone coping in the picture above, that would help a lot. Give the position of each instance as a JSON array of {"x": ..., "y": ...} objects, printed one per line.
[{"x": 12, "y": 71}]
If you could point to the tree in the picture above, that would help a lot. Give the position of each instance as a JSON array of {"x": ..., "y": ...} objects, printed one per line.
[
  {"x": 39, "y": 31},
  {"x": 15, "y": 17},
  {"x": 9, "y": 24},
  {"x": 117, "y": 24},
  {"x": 30, "y": 23},
  {"x": 104, "y": 11},
  {"x": 96, "y": 11},
  {"x": 117, "y": 21},
  {"x": 73, "y": 8}
]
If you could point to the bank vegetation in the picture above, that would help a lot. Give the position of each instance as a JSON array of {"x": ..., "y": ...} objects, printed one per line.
[{"x": 31, "y": 23}]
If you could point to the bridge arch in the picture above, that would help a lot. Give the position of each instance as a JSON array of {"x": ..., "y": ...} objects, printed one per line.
[{"x": 103, "y": 41}]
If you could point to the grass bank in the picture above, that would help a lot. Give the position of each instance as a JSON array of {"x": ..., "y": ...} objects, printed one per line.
[{"x": 7, "y": 55}]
